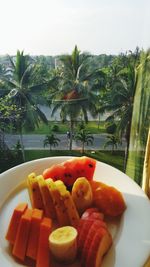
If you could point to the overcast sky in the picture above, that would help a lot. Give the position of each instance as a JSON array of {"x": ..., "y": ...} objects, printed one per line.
[{"x": 52, "y": 27}]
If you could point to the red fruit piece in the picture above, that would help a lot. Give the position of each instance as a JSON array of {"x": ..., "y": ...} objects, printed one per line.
[
  {"x": 88, "y": 165},
  {"x": 99, "y": 246},
  {"x": 97, "y": 224},
  {"x": 83, "y": 229},
  {"x": 54, "y": 172},
  {"x": 72, "y": 169},
  {"x": 107, "y": 199},
  {"x": 92, "y": 213}
]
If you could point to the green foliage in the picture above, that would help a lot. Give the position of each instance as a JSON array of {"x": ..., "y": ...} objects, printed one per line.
[
  {"x": 111, "y": 126},
  {"x": 91, "y": 126},
  {"x": 77, "y": 90},
  {"x": 81, "y": 126},
  {"x": 51, "y": 140},
  {"x": 9, "y": 113},
  {"x": 112, "y": 141},
  {"x": 9, "y": 158},
  {"x": 21, "y": 86},
  {"x": 55, "y": 128},
  {"x": 17, "y": 151},
  {"x": 84, "y": 137}
]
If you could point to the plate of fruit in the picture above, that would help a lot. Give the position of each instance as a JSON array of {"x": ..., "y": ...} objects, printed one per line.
[{"x": 72, "y": 211}]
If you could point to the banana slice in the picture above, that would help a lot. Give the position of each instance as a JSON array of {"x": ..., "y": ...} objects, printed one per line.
[
  {"x": 63, "y": 244},
  {"x": 82, "y": 194}
]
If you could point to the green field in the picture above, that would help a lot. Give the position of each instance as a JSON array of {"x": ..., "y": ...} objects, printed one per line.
[{"x": 91, "y": 126}]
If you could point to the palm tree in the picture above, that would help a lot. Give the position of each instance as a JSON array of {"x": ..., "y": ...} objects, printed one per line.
[
  {"x": 77, "y": 90},
  {"x": 21, "y": 88},
  {"x": 84, "y": 137},
  {"x": 51, "y": 141},
  {"x": 112, "y": 141}
]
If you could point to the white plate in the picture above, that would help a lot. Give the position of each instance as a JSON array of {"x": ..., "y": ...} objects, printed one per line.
[{"x": 131, "y": 246}]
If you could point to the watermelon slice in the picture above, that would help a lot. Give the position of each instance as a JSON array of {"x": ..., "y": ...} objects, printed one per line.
[{"x": 71, "y": 169}]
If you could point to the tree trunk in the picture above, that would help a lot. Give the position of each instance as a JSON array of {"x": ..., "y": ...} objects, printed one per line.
[
  {"x": 112, "y": 148},
  {"x": 3, "y": 138},
  {"x": 71, "y": 134},
  {"x": 22, "y": 146},
  {"x": 82, "y": 147},
  {"x": 98, "y": 121}
]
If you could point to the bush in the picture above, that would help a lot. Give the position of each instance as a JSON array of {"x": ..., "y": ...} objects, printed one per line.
[
  {"x": 9, "y": 158},
  {"x": 55, "y": 128},
  {"x": 111, "y": 127}
]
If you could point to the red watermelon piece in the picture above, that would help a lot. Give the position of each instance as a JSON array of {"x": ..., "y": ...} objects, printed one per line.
[{"x": 72, "y": 169}]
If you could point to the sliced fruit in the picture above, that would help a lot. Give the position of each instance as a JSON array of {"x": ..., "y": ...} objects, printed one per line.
[
  {"x": 107, "y": 199},
  {"x": 34, "y": 192},
  {"x": 43, "y": 255},
  {"x": 34, "y": 233},
  {"x": 14, "y": 222},
  {"x": 20, "y": 246},
  {"x": 61, "y": 186},
  {"x": 82, "y": 194},
  {"x": 97, "y": 224},
  {"x": 71, "y": 210},
  {"x": 54, "y": 172},
  {"x": 63, "y": 244},
  {"x": 46, "y": 197},
  {"x": 83, "y": 229},
  {"x": 71, "y": 169},
  {"x": 92, "y": 213},
  {"x": 31, "y": 176},
  {"x": 99, "y": 246},
  {"x": 58, "y": 203}
]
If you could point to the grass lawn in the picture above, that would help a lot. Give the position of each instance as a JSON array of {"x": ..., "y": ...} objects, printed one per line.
[
  {"x": 92, "y": 126},
  {"x": 115, "y": 160}
]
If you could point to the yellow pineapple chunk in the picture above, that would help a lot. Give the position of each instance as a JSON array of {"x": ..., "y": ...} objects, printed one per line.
[
  {"x": 68, "y": 202},
  {"x": 34, "y": 192},
  {"x": 58, "y": 203},
  {"x": 46, "y": 197}
]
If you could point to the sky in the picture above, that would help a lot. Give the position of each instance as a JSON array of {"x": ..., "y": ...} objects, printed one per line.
[{"x": 54, "y": 27}]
